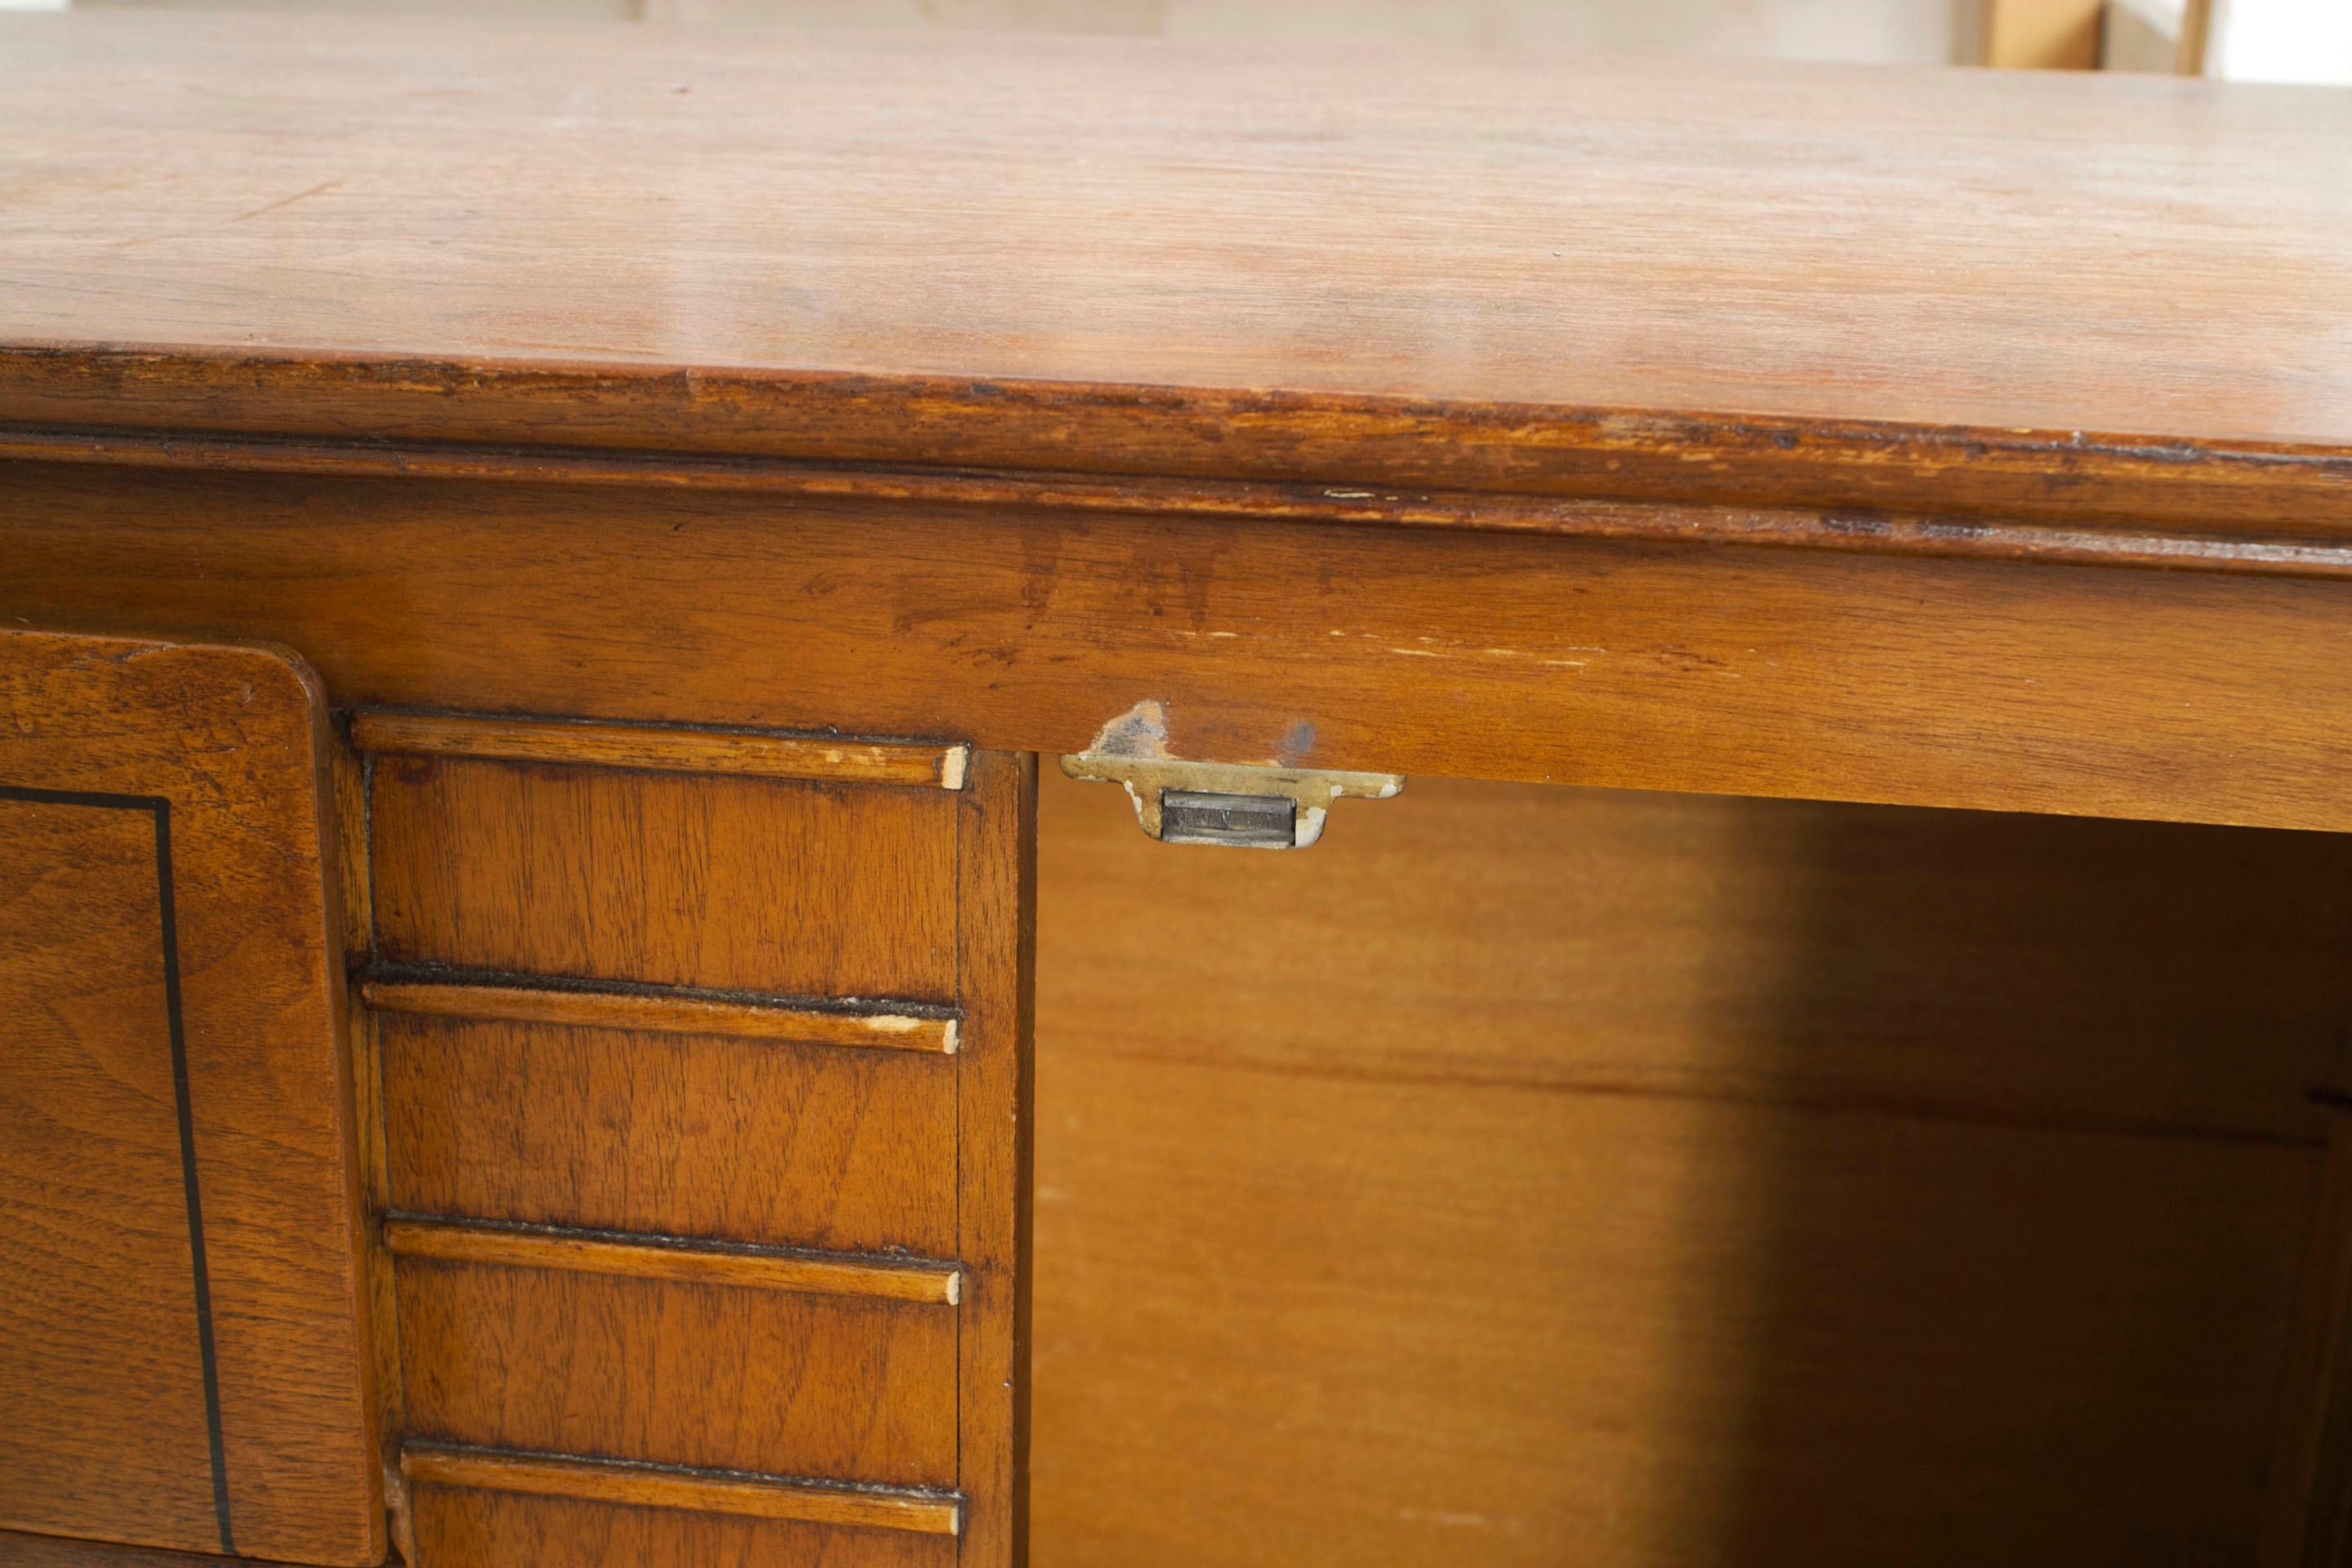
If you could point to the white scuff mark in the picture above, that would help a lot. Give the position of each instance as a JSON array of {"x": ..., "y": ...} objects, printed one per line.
[
  {"x": 1445, "y": 1517},
  {"x": 1140, "y": 731},
  {"x": 1565, "y": 663},
  {"x": 1417, "y": 652}
]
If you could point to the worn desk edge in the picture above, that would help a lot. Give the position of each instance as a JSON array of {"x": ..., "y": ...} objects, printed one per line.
[{"x": 1359, "y": 460}]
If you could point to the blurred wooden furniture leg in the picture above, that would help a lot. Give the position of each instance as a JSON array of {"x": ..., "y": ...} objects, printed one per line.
[{"x": 2038, "y": 35}]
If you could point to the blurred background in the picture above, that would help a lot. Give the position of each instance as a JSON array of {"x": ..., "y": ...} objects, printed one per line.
[{"x": 2240, "y": 40}]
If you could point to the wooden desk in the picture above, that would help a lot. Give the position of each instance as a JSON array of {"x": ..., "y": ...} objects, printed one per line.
[{"x": 699, "y": 469}]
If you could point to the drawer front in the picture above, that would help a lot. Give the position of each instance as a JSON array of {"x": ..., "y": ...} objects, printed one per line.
[
  {"x": 766, "y": 1141},
  {"x": 787, "y": 886},
  {"x": 701, "y": 1063},
  {"x": 729, "y": 1376}
]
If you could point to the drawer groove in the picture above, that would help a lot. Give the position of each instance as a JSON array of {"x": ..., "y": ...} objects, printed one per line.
[
  {"x": 639, "y": 1256},
  {"x": 661, "y": 747},
  {"x": 661, "y": 1009},
  {"x": 636, "y": 1483}
]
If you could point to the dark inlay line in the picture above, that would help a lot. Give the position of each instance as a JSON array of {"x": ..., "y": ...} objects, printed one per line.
[
  {"x": 81, "y": 797},
  {"x": 160, "y": 810},
  {"x": 204, "y": 1351}
]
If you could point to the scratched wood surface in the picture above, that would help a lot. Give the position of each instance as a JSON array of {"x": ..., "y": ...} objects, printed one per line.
[
  {"x": 1409, "y": 266},
  {"x": 182, "y": 1358},
  {"x": 1989, "y": 684},
  {"x": 1633, "y": 1179}
]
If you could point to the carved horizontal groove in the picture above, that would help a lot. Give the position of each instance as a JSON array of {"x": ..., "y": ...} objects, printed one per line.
[
  {"x": 640, "y": 1485},
  {"x": 663, "y": 1010},
  {"x": 661, "y": 747},
  {"x": 2273, "y": 549},
  {"x": 510, "y": 1245}
]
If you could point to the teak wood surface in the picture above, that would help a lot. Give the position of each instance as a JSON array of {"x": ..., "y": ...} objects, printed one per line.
[
  {"x": 1556, "y": 1176},
  {"x": 702, "y": 465},
  {"x": 182, "y": 1358},
  {"x": 1436, "y": 413},
  {"x": 1664, "y": 278},
  {"x": 699, "y": 1058}
]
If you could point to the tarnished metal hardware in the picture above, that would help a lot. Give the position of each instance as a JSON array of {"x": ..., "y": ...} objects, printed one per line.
[
  {"x": 1253, "y": 821},
  {"x": 1253, "y": 806}
]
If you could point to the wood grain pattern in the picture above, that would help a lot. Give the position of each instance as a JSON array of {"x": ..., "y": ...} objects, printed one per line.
[
  {"x": 178, "y": 1191},
  {"x": 668, "y": 1486},
  {"x": 709, "y": 1375},
  {"x": 1502, "y": 1327},
  {"x": 1645, "y": 1179},
  {"x": 19, "y": 1551},
  {"x": 996, "y": 891},
  {"x": 509, "y": 1246},
  {"x": 2042, "y": 34},
  {"x": 465, "y": 1529},
  {"x": 2251, "y": 535},
  {"x": 663, "y": 878},
  {"x": 2308, "y": 1522},
  {"x": 2081, "y": 295},
  {"x": 101, "y": 1380},
  {"x": 2139, "y": 977},
  {"x": 732, "y": 753},
  {"x": 1978, "y": 684},
  {"x": 697, "y": 1132},
  {"x": 697, "y": 1136},
  {"x": 669, "y": 1011}
]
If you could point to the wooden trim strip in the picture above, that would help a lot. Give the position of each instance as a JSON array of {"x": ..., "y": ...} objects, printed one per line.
[
  {"x": 510, "y": 1245},
  {"x": 2266, "y": 541},
  {"x": 667, "y": 749},
  {"x": 673, "y": 1011},
  {"x": 1282, "y": 436},
  {"x": 639, "y": 1485}
]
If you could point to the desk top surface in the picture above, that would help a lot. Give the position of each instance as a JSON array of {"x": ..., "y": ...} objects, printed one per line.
[{"x": 1419, "y": 236}]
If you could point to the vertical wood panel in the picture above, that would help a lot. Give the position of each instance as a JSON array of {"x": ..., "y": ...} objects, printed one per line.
[
  {"x": 213, "y": 1049},
  {"x": 996, "y": 894},
  {"x": 2042, "y": 34},
  {"x": 2308, "y": 1521},
  {"x": 98, "y": 1312},
  {"x": 1528, "y": 1175}
]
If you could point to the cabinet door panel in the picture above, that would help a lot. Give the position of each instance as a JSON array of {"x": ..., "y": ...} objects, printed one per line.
[{"x": 181, "y": 1342}]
